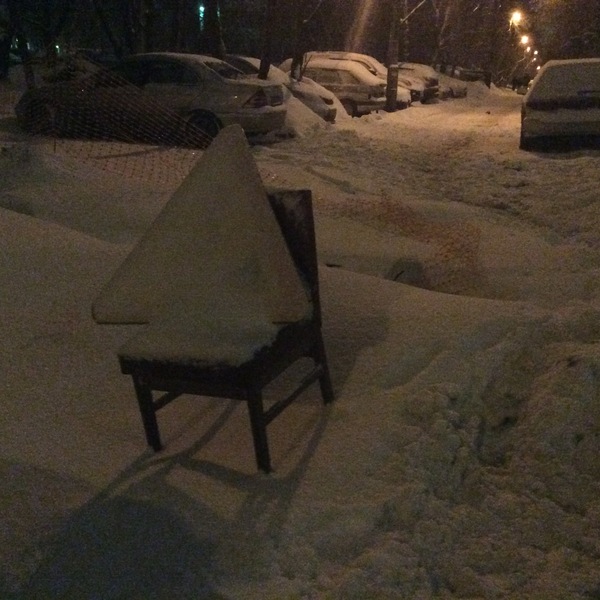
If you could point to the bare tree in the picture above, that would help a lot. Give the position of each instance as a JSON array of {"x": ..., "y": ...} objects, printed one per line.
[
  {"x": 184, "y": 26},
  {"x": 211, "y": 35},
  {"x": 568, "y": 29},
  {"x": 16, "y": 16},
  {"x": 41, "y": 23},
  {"x": 6, "y": 35},
  {"x": 269, "y": 32},
  {"x": 449, "y": 17},
  {"x": 391, "y": 95},
  {"x": 114, "y": 40},
  {"x": 302, "y": 36},
  {"x": 129, "y": 25}
]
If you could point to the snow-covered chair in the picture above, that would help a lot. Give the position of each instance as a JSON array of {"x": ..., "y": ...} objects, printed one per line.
[
  {"x": 193, "y": 374},
  {"x": 223, "y": 314}
]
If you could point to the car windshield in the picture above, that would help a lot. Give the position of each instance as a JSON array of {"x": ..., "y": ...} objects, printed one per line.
[
  {"x": 223, "y": 69},
  {"x": 369, "y": 68},
  {"x": 104, "y": 78},
  {"x": 243, "y": 65},
  {"x": 567, "y": 80}
]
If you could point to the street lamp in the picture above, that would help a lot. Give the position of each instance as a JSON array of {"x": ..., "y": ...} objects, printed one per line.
[{"x": 515, "y": 18}]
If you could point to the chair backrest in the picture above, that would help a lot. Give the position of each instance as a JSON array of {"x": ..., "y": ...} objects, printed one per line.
[{"x": 293, "y": 210}]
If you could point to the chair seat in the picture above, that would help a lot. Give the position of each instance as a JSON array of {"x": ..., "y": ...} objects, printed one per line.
[
  {"x": 195, "y": 375},
  {"x": 191, "y": 336},
  {"x": 264, "y": 357}
]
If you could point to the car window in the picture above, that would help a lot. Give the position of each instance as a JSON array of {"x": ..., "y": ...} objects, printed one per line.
[
  {"x": 369, "y": 67},
  {"x": 323, "y": 75},
  {"x": 170, "y": 73},
  {"x": 133, "y": 72},
  {"x": 223, "y": 69},
  {"x": 242, "y": 65},
  {"x": 105, "y": 78},
  {"x": 348, "y": 78}
]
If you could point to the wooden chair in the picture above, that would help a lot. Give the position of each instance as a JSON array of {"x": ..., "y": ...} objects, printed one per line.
[{"x": 172, "y": 378}]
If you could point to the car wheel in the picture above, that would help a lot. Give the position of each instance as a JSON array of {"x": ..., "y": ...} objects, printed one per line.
[
  {"x": 201, "y": 128},
  {"x": 349, "y": 107}
]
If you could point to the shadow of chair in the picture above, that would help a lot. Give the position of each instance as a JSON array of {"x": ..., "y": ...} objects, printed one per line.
[{"x": 158, "y": 382}]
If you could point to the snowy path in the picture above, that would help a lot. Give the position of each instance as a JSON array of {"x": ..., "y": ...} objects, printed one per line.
[
  {"x": 460, "y": 459},
  {"x": 468, "y": 211}
]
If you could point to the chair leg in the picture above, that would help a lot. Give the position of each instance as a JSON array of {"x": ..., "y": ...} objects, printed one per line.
[
  {"x": 146, "y": 404},
  {"x": 259, "y": 432},
  {"x": 325, "y": 377}
]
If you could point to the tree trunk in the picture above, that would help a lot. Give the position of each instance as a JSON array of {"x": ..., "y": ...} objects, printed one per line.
[
  {"x": 268, "y": 34},
  {"x": 405, "y": 32},
  {"x": 446, "y": 24},
  {"x": 16, "y": 18},
  {"x": 116, "y": 45},
  {"x": 6, "y": 35},
  {"x": 391, "y": 94},
  {"x": 211, "y": 35},
  {"x": 495, "y": 42}
]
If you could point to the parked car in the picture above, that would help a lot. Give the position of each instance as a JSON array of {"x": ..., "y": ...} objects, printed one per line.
[
  {"x": 320, "y": 100},
  {"x": 428, "y": 75},
  {"x": 155, "y": 97},
  {"x": 471, "y": 74},
  {"x": 450, "y": 87},
  {"x": 359, "y": 91},
  {"x": 563, "y": 103},
  {"x": 409, "y": 89}
]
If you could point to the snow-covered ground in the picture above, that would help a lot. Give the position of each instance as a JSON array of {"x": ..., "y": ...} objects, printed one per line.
[{"x": 460, "y": 290}]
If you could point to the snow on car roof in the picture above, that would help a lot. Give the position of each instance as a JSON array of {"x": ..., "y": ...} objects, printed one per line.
[
  {"x": 222, "y": 68},
  {"x": 565, "y": 78},
  {"x": 373, "y": 63},
  {"x": 358, "y": 70},
  {"x": 275, "y": 73},
  {"x": 305, "y": 85},
  {"x": 426, "y": 70},
  {"x": 181, "y": 55}
]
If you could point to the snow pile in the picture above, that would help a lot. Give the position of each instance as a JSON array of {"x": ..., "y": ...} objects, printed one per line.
[
  {"x": 460, "y": 458},
  {"x": 301, "y": 121}
]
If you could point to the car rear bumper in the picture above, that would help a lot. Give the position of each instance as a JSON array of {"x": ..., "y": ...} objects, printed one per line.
[
  {"x": 327, "y": 113},
  {"x": 560, "y": 123},
  {"x": 404, "y": 97},
  {"x": 429, "y": 93},
  {"x": 330, "y": 116},
  {"x": 415, "y": 95},
  {"x": 367, "y": 106}
]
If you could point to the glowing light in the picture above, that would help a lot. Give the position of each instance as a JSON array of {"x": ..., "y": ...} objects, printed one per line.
[
  {"x": 516, "y": 17},
  {"x": 357, "y": 32}
]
